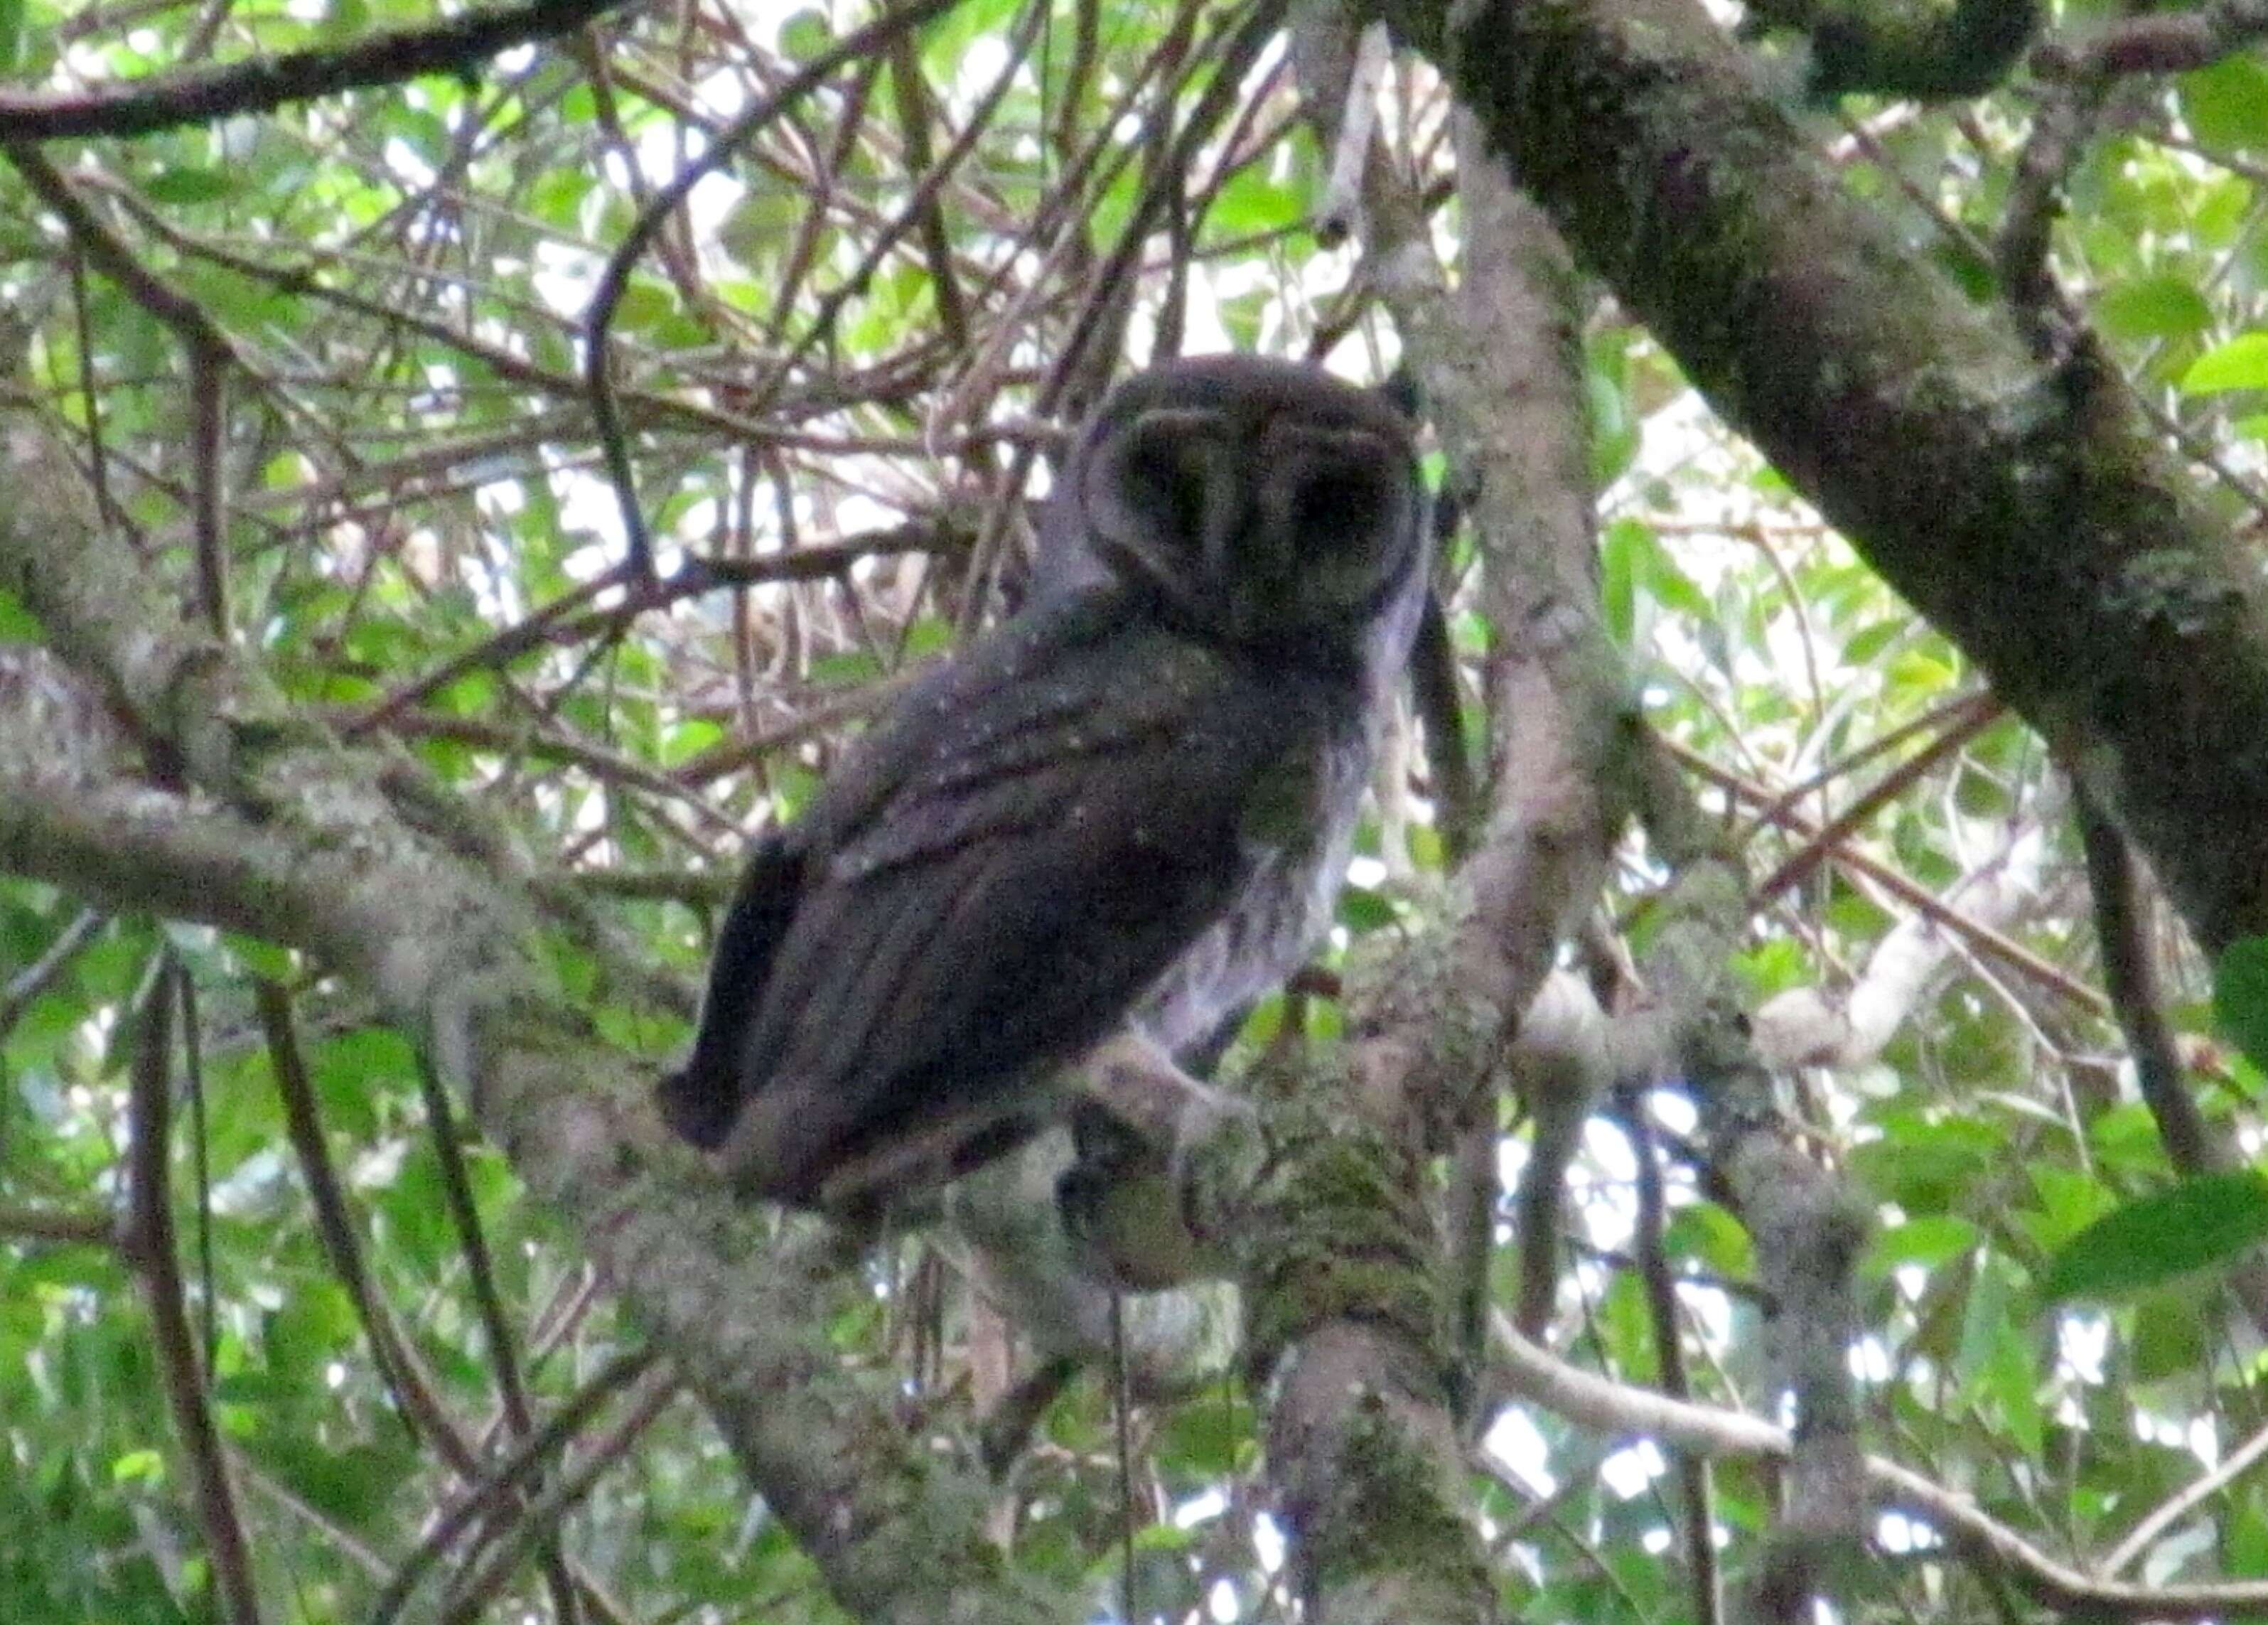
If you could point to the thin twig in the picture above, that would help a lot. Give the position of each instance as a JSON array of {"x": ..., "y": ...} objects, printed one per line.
[
  {"x": 149, "y": 1244},
  {"x": 613, "y": 281},
  {"x": 397, "y": 1367},
  {"x": 510, "y": 1475}
]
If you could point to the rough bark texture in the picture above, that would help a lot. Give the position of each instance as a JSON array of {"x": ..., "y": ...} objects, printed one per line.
[
  {"x": 2022, "y": 505},
  {"x": 1341, "y": 1264}
]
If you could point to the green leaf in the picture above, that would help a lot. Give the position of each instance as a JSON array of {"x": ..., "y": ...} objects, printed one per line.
[
  {"x": 643, "y": 306},
  {"x": 2240, "y": 997},
  {"x": 17, "y": 624},
  {"x": 1770, "y": 967},
  {"x": 1932, "y": 1241},
  {"x": 1212, "y": 1436},
  {"x": 1156, "y": 1538},
  {"x": 930, "y": 635},
  {"x": 848, "y": 667},
  {"x": 189, "y": 186},
  {"x": 2069, "y": 1200},
  {"x": 1925, "y": 1165},
  {"x": 557, "y": 198},
  {"x": 262, "y": 958},
  {"x": 763, "y": 223},
  {"x": 1915, "y": 668},
  {"x": 1869, "y": 641},
  {"x": 1713, "y": 1239},
  {"x": 1666, "y": 580},
  {"x": 1618, "y": 564},
  {"x": 688, "y": 739},
  {"x": 805, "y": 36},
  {"x": 2196, "y": 1224},
  {"x": 2126, "y": 1141},
  {"x": 2153, "y": 307},
  {"x": 2226, "y": 104},
  {"x": 1613, "y": 427},
  {"x": 2244, "y": 1537},
  {"x": 1985, "y": 1317},
  {"x": 2171, "y": 1337},
  {"x": 1252, "y": 201},
  {"x": 1361, "y": 909},
  {"x": 138, "y": 1466},
  {"x": 2008, "y": 1388},
  {"x": 1425, "y": 848},
  {"x": 352, "y": 1071},
  {"x": 947, "y": 37},
  {"x": 2239, "y": 364}
]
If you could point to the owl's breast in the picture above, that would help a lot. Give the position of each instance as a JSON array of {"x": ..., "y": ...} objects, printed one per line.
[{"x": 1293, "y": 848}]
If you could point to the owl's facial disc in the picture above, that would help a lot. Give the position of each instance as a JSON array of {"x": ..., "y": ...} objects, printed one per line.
[
  {"x": 1338, "y": 490},
  {"x": 1172, "y": 499},
  {"x": 1350, "y": 495},
  {"x": 1266, "y": 526},
  {"x": 1338, "y": 506}
]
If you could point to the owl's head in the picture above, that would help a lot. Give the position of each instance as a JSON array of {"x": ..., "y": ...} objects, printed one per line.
[{"x": 1265, "y": 502}]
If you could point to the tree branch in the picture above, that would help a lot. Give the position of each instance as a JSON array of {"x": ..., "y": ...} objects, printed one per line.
[
  {"x": 431, "y": 920},
  {"x": 1605, "y": 1407},
  {"x": 2025, "y": 509},
  {"x": 262, "y": 84}
]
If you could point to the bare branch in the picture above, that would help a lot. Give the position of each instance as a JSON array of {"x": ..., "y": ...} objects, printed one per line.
[
  {"x": 262, "y": 84},
  {"x": 147, "y": 1240}
]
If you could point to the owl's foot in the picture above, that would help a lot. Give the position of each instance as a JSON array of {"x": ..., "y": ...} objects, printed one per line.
[{"x": 1157, "y": 1150}]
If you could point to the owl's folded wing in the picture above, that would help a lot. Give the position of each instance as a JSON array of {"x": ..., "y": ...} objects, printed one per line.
[
  {"x": 1001, "y": 904},
  {"x": 980, "y": 709}
]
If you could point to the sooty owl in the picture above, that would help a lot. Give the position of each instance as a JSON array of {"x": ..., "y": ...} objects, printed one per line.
[{"x": 1131, "y": 803}]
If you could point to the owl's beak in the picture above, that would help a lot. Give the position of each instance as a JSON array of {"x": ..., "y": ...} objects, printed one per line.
[
  {"x": 1229, "y": 526},
  {"x": 1257, "y": 577}
]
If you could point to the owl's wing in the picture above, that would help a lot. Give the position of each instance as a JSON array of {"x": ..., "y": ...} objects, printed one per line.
[
  {"x": 989, "y": 895},
  {"x": 969, "y": 708}
]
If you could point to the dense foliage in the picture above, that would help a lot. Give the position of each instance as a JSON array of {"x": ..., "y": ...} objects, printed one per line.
[{"x": 840, "y": 371}]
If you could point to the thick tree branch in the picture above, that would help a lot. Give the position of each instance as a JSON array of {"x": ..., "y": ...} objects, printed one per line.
[
  {"x": 2173, "y": 42},
  {"x": 2024, "y": 509},
  {"x": 422, "y": 910}
]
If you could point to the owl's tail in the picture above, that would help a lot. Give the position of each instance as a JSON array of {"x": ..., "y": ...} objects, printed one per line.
[
  {"x": 697, "y": 1106},
  {"x": 701, "y": 1098}
]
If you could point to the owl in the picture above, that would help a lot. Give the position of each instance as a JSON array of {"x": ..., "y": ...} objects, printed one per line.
[{"x": 1129, "y": 804}]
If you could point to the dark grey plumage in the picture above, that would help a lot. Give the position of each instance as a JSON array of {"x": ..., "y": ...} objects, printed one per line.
[{"x": 1132, "y": 801}]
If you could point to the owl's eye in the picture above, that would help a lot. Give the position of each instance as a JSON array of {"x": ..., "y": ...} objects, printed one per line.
[
  {"x": 1166, "y": 477},
  {"x": 1345, "y": 505}
]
